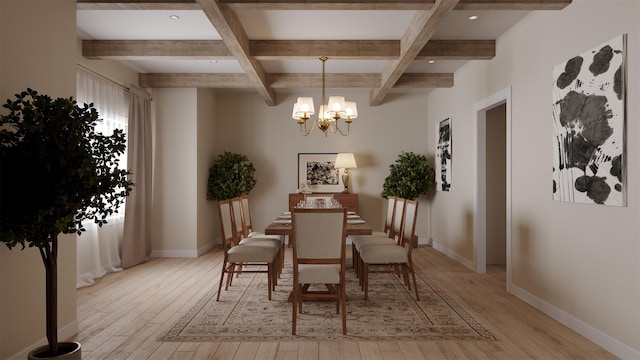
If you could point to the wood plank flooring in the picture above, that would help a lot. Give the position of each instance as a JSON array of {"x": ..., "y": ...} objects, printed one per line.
[{"x": 123, "y": 314}]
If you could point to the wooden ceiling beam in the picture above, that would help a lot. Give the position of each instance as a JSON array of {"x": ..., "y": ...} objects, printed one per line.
[
  {"x": 321, "y": 5},
  {"x": 422, "y": 27},
  {"x": 228, "y": 26},
  {"x": 283, "y": 81},
  {"x": 458, "y": 50},
  {"x": 284, "y": 49},
  {"x": 155, "y": 49},
  {"x": 333, "y": 49}
]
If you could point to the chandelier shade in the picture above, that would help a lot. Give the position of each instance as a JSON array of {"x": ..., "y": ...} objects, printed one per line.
[{"x": 329, "y": 114}]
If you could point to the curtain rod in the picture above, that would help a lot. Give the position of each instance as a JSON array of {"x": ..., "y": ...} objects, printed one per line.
[{"x": 125, "y": 88}]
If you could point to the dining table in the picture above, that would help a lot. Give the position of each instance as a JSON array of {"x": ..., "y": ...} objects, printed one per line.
[{"x": 282, "y": 225}]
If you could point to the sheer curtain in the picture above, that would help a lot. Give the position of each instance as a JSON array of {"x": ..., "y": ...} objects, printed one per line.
[
  {"x": 98, "y": 248},
  {"x": 136, "y": 242}
]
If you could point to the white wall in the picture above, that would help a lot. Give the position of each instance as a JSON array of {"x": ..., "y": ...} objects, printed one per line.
[
  {"x": 175, "y": 188},
  {"x": 37, "y": 50},
  {"x": 208, "y": 226},
  {"x": 271, "y": 140},
  {"x": 578, "y": 263}
]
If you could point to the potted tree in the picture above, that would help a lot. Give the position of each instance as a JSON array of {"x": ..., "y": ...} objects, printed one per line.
[
  {"x": 231, "y": 175},
  {"x": 56, "y": 173},
  {"x": 410, "y": 176}
]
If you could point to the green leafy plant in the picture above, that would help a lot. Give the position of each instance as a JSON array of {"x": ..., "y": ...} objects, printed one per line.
[
  {"x": 56, "y": 172},
  {"x": 410, "y": 176},
  {"x": 231, "y": 175}
]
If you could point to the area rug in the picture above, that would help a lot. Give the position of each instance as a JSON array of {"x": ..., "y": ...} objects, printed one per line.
[{"x": 390, "y": 313}]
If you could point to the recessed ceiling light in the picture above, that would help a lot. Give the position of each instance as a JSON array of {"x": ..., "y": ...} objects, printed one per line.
[
  {"x": 473, "y": 17},
  {"x": 174, "y": 17},
  {"x": 213, "y": 61},
  {"x": 431, "y": 61}
]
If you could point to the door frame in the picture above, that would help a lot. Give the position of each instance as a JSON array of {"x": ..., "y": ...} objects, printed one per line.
[{"x": 479, "y": 172}]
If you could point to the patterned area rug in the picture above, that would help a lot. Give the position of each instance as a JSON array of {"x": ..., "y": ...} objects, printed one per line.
[{"x": 391, "y": 313}]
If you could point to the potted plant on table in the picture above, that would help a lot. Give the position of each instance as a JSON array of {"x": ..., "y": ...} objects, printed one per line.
[
  {"x": 231, "y": 175},
  {"x": 56, "y": 173}
]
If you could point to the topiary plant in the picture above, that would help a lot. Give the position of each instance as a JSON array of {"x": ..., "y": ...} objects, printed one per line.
[
  {"x": 230, "y": 176},
  {"x": 410, "y": 176},
  {"x": 56, "y": 173}
]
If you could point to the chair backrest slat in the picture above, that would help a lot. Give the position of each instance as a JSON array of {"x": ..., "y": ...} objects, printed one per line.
[
  {"x": 398, "y": 220},
  {"x": 226, "y": 224},
  {"x": 246, "y": 215},
  {"x": 409, "y": 227},
  {"x": 391, "y": 208},
  {"x": 236, "y": 209}
]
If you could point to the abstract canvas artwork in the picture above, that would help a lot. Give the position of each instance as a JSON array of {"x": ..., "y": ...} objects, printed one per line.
[
  {"x": 317, "y": 173},
  {"x": 443, "y": 155},
  {"x": 588, "y": 126}
]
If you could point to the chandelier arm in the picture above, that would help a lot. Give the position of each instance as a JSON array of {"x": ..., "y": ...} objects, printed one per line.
[
  {"x": 305, "y": 131},
  {"x": 340, "y": 130}
]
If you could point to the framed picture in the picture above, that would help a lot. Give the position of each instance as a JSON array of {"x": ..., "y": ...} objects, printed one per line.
[
  {"x": 443, "y": 155},
  {"x": 317, "y": 173},
  {"x": 588, "y": 126}
]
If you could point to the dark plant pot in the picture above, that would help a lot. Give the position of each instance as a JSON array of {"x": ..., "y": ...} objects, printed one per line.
[{"x": 67, "y": 351}]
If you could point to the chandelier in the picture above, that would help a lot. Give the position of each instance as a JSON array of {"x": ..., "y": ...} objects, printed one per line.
[{"x": 329, "y": 115}]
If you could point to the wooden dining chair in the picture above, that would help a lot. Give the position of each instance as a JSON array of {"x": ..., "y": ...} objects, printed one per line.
[
  {"x": 395, "y": 258},
  {"x": 245, "y": 258},
  {"x": 390, "y": 238},
  {"x": 244, "y": 239},
  {"x": 249, "y": 232},
  {"x": 319, "y": 258},
  {"x": 385, "y": 234}
]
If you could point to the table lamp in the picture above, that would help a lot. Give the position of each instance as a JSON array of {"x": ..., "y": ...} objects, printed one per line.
[{"x": 345, "y": 161}]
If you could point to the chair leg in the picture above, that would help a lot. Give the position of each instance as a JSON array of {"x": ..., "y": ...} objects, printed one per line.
[
  {"x": 224, "y": 266},
  {"x": 294, "y": 309},
  {"x": 415, "y": 284},
  {"x": 343, "y": 301},
  {"x": 269, "y": 278},
  {"x": 365, "y": 279}
]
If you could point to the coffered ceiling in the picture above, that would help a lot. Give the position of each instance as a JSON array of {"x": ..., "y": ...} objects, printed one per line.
[{"x": 379, "y": 45}]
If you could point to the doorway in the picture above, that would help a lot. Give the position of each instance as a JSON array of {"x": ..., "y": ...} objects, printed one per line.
[{"x": 492, "y": 181}]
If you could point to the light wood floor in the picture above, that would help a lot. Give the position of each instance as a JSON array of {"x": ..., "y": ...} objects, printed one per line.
[{"x": 123, "y": 314}]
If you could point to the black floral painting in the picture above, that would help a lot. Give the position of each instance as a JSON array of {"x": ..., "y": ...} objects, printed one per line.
[
  {"x": 588, "y": 126},
  {"x": 317, "y": 172}
]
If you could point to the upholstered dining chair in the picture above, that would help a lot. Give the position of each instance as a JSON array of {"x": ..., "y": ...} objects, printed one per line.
[
  {"x": 390, "y": 238},
  {"x": 319, "y": 258},
  {"x": 254, "y": 259},
  {"x": 243, "y": 239},
  {"x": 385, "y": 235},
  {"x": 248, "y": 231},
  {"x": 396, "y": 258}
]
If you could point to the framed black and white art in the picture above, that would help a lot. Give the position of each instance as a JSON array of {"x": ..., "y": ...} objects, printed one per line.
[
  {"x": 588, "y": 126},
  {"x": 317, "y": 173}
]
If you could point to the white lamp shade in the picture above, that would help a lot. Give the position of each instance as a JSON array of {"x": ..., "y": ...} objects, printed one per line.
[
  {"x": 345, "y": 161},
  {"x": 351, "y": 110},
  {"x": 336, "y": 104},
  {"x": 304, "y": 107},
  {"x": 294, "y": 114},
  {"x": 322, "y": 114}
]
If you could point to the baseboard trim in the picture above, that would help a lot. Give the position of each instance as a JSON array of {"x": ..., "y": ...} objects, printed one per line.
[
  {"x": 183, "y": 253},
  {"x": 65, "y": 332},
  {"x": 598, "y": 337},
  {"x": 465, "y": 262},
  {"x": 610, "y": 344}
]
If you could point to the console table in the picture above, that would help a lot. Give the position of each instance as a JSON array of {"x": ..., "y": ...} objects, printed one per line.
[{"x": 349, "y": 201}]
